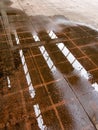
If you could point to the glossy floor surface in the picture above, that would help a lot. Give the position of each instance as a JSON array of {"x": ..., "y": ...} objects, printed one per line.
[
  {"x": 48, "y": 73},
  {"x": 83, "y": 11}
]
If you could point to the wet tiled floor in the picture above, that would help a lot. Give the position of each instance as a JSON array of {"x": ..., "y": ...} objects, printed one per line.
[{"x": 48, "y": 73}]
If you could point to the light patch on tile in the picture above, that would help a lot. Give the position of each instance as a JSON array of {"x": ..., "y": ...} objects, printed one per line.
[
  {"x": 45, "y": 55},
  {"x": 25, "y": 68},
  {"x": 95, "y": 86},
  {"x": 39, "y": 117},
  {"x": 73, "y": 61},
  {"x": 9, "y": 82}
]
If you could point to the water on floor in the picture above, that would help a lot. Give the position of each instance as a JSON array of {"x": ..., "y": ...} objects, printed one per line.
[{"x": 48, "y": 73}]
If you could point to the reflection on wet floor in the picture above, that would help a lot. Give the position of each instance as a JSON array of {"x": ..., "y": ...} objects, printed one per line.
[
  {"x": 25, "y": 68},
  {"x": 9, "y": 84},
  {"x": 48, "y": 74},
  {"x": 31, "y": 88},
  {"x": 46, "y": 55},
  {"x": 73, "y": 61},
  {"x": 39, "y": 117}
]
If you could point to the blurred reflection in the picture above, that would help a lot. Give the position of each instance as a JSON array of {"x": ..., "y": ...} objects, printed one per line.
[
  {"x": 47, "y": 58},
  {"x": 36, "y": 38},
  {"x": 95, "y": 86},
  {"x": 31, "y": 88},
  {"x": 9, "y": 82},
  {"x": 59, "y": 88},
  {"x": 70, "y": 57},
  {"x": 45, "y": 55},
  {"x": 28, "y": 78},
  {"x": 52, "y": 35},
  {"x": 25, "y": 68},
  {"x": 73, "y": 61},
  {"x": 39, "y": 117}
]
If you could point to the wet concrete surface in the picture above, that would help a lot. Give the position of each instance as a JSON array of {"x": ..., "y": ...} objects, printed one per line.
[
  {"x": 79, "y": 11},
  {"x": 49, "y": 75}
]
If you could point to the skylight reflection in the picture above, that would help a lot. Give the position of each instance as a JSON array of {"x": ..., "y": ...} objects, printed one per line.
[
  {"x": 9, "y": 82},
  {"x": 39, "y": 117},
  {"x": 25, "y": 68},
  {"x": 75, "y": 63},
  {"x": 36, "y": 38},
  {"x": 70, "y": 57},
  {"x": 31, "y": 88},
  {"x": 46, "y": 55},
  {"x": 47, "y": 58},
  {"x": 62, "y": 47},
  {"x": 95, "y": 86},
  {"x": 52, "y": 35}
]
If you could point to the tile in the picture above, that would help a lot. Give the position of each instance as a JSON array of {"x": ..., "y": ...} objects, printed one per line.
[
  {"x": 65, "y": 68},
  {"x": 49, "y": 118},
  {"x": 77, "y": 53},
  {"x": 87, "y": 64}
]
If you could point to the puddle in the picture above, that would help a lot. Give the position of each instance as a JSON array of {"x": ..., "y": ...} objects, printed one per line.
[{"x": 54, "y": 39}]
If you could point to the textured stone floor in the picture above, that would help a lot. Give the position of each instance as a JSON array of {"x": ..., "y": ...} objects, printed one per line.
[{"x": 48, "y": 72}]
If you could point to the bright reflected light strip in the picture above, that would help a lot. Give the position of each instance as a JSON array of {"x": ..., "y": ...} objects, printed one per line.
[
  {"x": 9, "y": 82},
  {"x": 25, "y": 68},
  {"x": 36, "y": 38},
  {"x": 39, "y": 117},
  {"x": 47, "y": 58},
  {"x": 52, "y": 35},
  {"x": 95, "y": 85},
  {"x": 45, "y": 55},
  {"x": 75, "y": 63},
  {"x": 31, "y": 88}
]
